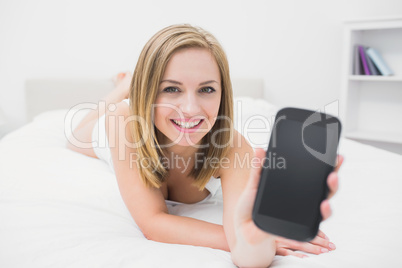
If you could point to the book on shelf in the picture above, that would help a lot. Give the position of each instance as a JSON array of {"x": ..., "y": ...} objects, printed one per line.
[
  {"x": 363, "y": 57},
  {"x": 368, "y": 61},
  {"x": 373, "y": 69},
  {"x": 379, "y": 62},
  {"x": 357, "y": 63}
]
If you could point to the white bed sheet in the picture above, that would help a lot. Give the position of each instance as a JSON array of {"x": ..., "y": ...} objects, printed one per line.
[{"x": 59, "y": 208}]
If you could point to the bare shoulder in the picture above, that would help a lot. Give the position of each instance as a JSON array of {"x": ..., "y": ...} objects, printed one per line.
[
  {"x": 238, "y": 156},
  {"x": 240, "y": 144}
]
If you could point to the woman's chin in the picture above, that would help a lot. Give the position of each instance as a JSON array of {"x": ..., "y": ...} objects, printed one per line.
[
  {"x": 188, "y": 143},
  {"x": 185, "y": 142},
  {"x": 192, "y": 140}
]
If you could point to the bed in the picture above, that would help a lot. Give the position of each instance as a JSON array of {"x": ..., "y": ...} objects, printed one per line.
[{"x": 59, "y": 208}]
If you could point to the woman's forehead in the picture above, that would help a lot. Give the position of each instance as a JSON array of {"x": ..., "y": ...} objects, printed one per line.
[{"x": 192, "y": 64}]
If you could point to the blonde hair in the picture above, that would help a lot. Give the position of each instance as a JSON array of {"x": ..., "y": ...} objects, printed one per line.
[{"x": 147, "y": 75}]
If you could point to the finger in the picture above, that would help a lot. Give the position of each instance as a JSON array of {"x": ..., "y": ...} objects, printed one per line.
[
  {"x": 332, "y": 182},
  {"x": 318, "y": 248},
  {"x": 288, "y": 243},
  {"x": 256, "y": 170},
  {"x": 339, "y": 161},
  {"x": 319, "y": 241},
  {"x": 325, "y": 210},
  {"x": 287, "y": 252},
  {"x": 322, "y": 235}
]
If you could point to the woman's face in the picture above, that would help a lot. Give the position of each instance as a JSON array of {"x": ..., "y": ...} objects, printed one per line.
[{"x": 188, "y": 98}]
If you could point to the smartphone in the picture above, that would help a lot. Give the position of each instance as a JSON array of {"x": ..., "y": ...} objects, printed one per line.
[{"x": 302, "y": 152}]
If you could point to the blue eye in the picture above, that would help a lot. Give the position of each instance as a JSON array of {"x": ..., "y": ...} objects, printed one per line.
[
  {"x": 170, "y": 90},
  {"x": 208, "y": 90}
]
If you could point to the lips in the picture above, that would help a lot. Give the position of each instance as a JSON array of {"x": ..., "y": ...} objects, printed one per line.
[
  {"x": 187, "y": 126},
  {"x": 187, "y": 123}
]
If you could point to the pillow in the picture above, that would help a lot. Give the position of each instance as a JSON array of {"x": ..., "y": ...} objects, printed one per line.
[
  {"x": 70, "y": 117},
  {"x": 49, "y": 129}
]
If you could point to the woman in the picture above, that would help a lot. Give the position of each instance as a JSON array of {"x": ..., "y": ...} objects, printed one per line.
[{"x": 173, "y": 138}]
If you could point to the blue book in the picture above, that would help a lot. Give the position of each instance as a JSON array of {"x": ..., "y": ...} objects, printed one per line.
[
  {"x": 379, "y": 61},
  {"x": 373, "y": 69}
]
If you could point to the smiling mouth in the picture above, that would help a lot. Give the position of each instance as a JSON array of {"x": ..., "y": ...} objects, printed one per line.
[{"x": 187, "y": 125}]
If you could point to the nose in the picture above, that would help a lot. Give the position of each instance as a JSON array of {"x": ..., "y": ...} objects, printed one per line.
[{"x": 190, "y": 105}]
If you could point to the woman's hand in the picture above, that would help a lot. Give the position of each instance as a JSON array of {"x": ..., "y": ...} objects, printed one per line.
[
  {"x": 320, "y": 244},
  {"x": 251, "y": 234}
]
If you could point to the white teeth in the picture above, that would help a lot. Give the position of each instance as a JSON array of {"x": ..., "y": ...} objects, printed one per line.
[{"x": 187, "y": 124}]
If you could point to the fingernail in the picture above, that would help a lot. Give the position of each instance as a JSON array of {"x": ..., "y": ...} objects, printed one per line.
[
  {"x": 324, "y": 250},
  {"x": 332, "y": 246}
]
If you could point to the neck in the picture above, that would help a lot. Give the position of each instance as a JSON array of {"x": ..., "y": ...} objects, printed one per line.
[{"x": 176, "y": 149}]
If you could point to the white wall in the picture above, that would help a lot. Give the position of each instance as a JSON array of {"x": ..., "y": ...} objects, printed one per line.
[{"x": 294, "y": 45}]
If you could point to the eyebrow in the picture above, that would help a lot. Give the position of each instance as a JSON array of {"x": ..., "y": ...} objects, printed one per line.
[{"x": 179, "y": 83}]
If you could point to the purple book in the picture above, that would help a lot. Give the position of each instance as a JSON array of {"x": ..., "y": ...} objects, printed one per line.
[{"x": 364, "y": 60}]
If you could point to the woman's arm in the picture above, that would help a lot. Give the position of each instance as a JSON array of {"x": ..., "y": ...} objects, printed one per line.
[
  {"x": 187, "y": 231},
  {"x": 250, "y": 246}
]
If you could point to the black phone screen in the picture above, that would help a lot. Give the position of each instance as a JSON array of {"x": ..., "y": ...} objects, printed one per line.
[{"x": 299, "y": 162}]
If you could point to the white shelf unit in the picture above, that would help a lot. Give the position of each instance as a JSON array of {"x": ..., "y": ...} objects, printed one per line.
[{"x": 371, "y": 106}]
